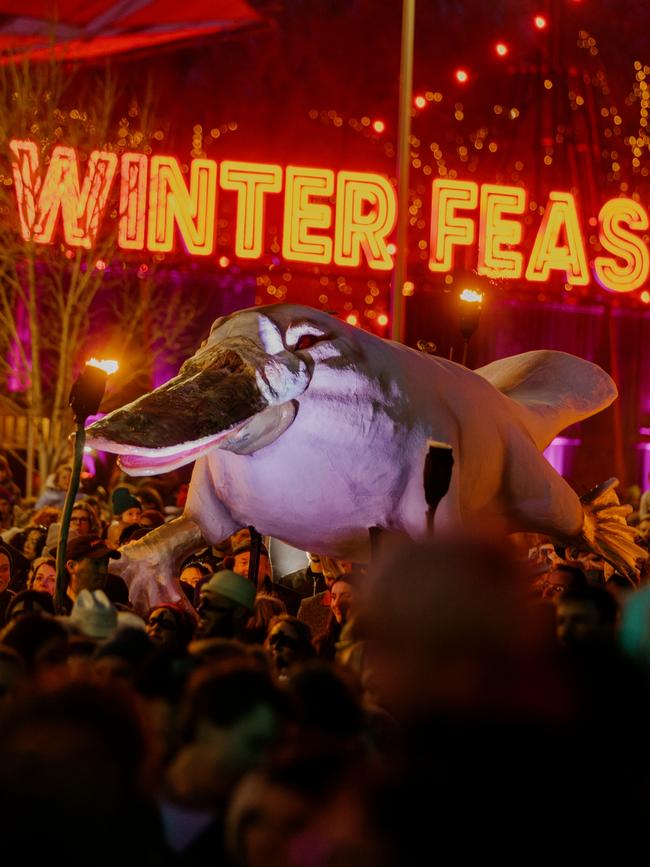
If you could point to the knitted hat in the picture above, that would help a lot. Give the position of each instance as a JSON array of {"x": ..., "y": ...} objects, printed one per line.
[
  {"x": 232, "y": 586},
  {"x": 122, "y": 499},
  {"x": 94, "y": 615}
]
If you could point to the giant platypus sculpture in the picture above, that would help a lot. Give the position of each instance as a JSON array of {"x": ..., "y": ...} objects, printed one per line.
[{"x": 314, "y": 431}]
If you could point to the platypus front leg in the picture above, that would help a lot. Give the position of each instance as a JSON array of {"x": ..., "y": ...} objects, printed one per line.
[{"x": 149, "y": 566}]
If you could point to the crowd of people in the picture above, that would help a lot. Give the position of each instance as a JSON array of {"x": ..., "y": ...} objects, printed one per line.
[{"x": 463, "y": 695}]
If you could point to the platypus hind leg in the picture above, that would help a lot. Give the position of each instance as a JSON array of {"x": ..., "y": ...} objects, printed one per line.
[{"x": 606, "y": 532}]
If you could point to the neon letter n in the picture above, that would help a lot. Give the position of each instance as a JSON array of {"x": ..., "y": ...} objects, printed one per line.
[{"x": 192, "y": 210}]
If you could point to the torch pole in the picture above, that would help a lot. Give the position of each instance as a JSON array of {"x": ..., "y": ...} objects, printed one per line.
[
  {"x": 73, "y": 487},
  {"x": 85, "y": 397},
  {"x": 403, "y": 162}
]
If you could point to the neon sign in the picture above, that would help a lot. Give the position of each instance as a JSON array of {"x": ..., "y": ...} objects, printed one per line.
[{"x": 343, "y": 218}]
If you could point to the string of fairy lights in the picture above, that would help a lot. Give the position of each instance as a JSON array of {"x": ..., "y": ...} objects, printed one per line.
[{"x": 459, "y": 149}]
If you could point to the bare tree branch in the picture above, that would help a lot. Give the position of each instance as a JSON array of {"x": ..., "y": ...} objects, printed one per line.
[{"x": 52, "y": 295}]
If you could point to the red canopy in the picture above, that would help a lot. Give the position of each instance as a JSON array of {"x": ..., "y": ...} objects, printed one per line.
[{"x": 89, "y": 29}]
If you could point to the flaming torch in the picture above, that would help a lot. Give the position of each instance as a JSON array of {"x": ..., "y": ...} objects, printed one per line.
[
  {"x": 85, "y": 397},
  {"x": 471, "y": 304}
]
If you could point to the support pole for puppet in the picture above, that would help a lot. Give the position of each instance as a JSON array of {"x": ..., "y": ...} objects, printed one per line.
[
  {"x": 403, "y": 164},
  {"x": 256, "y": 550},
  {"x": 85, "y": 397},
  {"x": 438, "y": 465},
  {"x": 375, "y": 542}
]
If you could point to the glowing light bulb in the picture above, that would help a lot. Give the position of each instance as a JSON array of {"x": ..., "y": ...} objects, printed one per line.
[
  {"x": 382, "y": 319},
  {"x": 462, "y": 75},
  {"x": 420, "y": 101},
  {"x": 352, "y": 319},
  {"x": 105, "y": 365},
  {"x": 540, "y": 22},
  {"x": 392, "y": 248},
  {"x": 224, "y": 261},
  {"x": 378, "y": 125},
  {"x": 501, "y": 49},
  {"x": 645, "y": 297}
]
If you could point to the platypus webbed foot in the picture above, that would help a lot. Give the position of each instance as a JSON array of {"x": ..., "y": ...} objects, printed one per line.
[{"x": 606, "y": 532}]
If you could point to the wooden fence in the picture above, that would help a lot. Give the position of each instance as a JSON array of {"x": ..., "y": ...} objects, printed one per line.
[{"x": 18, "y": 436}]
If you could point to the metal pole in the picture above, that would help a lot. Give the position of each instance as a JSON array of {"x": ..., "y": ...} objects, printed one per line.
[
  {"x": 254, "y": 559},
  {"x": 403, "y": 163}
]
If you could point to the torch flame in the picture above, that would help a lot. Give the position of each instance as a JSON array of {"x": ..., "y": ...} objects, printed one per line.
[
  {"x": 107, "y": 366},
  {"x": 471, "y": 296}
]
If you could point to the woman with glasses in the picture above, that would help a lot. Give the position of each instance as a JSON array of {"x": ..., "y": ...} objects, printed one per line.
[{"x": 83, "y": 521}]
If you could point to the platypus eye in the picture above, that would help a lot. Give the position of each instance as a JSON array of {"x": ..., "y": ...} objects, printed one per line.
[
  {"x": 306, "y": 341},
  {"x": 303, "y": 335}
]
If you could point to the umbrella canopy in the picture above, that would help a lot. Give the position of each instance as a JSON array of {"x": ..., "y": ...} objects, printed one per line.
[{"x": 91, "y": 29}]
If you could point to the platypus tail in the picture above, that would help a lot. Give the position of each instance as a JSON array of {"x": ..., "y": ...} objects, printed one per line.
[{"x": 554, "y": 390}]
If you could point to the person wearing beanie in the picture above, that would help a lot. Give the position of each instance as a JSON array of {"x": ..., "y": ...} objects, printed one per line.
[
  {"x": 126, "y": 510},
  {"x": 225, "y": 604},
  {"x": 125, "y": 505}
]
